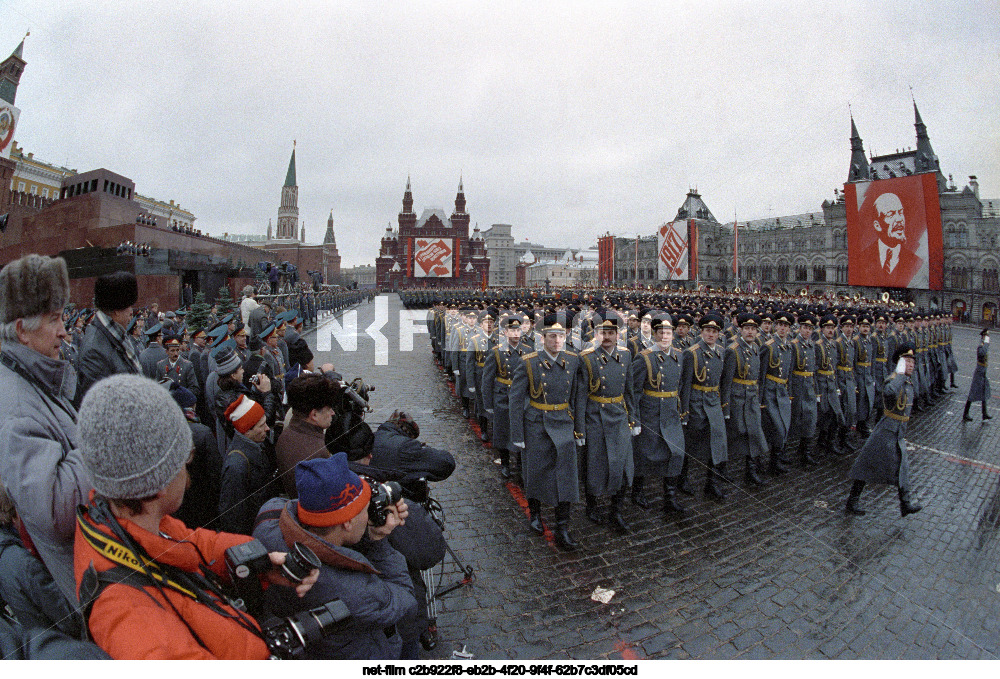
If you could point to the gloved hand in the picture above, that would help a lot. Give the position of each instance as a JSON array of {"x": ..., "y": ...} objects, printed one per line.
[
  {"x": 901, "y": 366},
  {"x": 489, "y": 410},
  {"x": 518, "y": 444},
  {"x": 472, "y": 390},
  {"x": 636, "y": 430},
  {"x": 986, "y": 339},
  {"x": 580, "y": 443}
]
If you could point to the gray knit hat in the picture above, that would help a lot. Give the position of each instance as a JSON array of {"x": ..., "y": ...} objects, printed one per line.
[
  {"x": 134, "y": 437},
  {"x": 31, "y": 286},
  {"x": 228, "y": 361}
]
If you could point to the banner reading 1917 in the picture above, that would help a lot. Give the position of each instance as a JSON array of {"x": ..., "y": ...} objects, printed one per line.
[{"x": 673, "y": 258}]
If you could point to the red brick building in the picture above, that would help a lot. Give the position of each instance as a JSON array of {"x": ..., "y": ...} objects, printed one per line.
[{"x": 433, "y": 251}]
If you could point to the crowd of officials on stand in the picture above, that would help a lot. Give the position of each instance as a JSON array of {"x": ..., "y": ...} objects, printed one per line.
[
  {"x": 178, "y": 491},
  {"x": 606, "y": 390}
]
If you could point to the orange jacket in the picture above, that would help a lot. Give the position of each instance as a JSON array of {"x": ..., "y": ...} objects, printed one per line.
[{"x": 130, "y": 625}]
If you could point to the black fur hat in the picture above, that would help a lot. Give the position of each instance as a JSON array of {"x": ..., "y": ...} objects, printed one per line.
[{"x": 116, "y": 291}]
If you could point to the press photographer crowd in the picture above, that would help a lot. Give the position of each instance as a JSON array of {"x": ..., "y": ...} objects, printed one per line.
[{"x": 177, "y": 485}]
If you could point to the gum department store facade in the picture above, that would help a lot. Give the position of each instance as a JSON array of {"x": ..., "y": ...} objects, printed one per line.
[{"x": 809, "y": 251}]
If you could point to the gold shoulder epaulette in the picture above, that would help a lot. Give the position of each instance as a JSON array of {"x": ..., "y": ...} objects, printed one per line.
[
  {"x": 571, "y": 353},
  {"x": 646, "y": 352},
  {"x": 531, "y": 355},
  {"x": 588, "y": 350}
]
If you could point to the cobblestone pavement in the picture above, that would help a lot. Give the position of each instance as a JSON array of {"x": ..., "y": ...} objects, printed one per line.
[{"x": 777, "y": 572}]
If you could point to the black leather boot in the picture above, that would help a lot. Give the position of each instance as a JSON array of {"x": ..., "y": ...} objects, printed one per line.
[
  {"x": 671, "y": 505},
  {"x": 852, "y": 500},
  {"x": 639, "y": 498},
  {"x": 775, "y": 465},
  {"x": 986, "y": 415},
  {"x": 484, "y": 434},
  {"x": 615, "y": 518},
  {"x": 806, "y": 447},
  {"x": 713, "y": 484},
  {"x": 504, "y": 464},
  {"x": 953, "y": 385},
  {"x": 906, "y": 504},
  {"x": 750, "y": 477},
  {"x": 683, "y": 484},
  {"x": 966, "y": 417},
  {"x": 465, "y": 407},
  {"x": 592, "y": 512},
  {"x": 564, "y": 540},
  {"x": 515, "y": 468},
  {"x": 535, "y": 516}
]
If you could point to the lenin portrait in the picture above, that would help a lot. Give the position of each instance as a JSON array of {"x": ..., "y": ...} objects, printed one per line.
[{"x": 890, "y": 243}]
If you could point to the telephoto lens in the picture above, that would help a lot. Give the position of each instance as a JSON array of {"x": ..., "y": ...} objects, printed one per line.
[
  {"x": 289, "y": 638},
  {"x": 300, "y": 561}
]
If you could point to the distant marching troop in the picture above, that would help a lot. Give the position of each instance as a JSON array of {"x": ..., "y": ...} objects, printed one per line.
[{"x": 609, "y": 389}]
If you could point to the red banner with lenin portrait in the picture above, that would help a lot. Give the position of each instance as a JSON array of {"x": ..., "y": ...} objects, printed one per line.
[{"x": 894, "y": 233}]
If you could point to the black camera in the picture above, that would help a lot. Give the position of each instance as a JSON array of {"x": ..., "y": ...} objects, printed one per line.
[
  {"x": 384, "y": 496},
  {"x": 288, "y": 638},
  {"x": 247, "y": 561}
]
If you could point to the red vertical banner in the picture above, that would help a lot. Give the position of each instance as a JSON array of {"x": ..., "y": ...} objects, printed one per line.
[
  {"x": 457, "y": 271},
  {"x": 693, "y": 245},
  {"x": 408, "y": 255},
  {"x": 736, "y": 250}
]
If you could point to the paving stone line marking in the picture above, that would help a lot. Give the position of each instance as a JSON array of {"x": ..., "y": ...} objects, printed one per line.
[{"x": 953, "y": 457}]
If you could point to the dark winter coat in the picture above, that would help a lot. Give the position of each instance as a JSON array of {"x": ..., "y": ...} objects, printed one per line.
[
  {"x": 396, "y": 451},
  {"x": 883, "y": 459},
  {"x": 654, "y": 389},
  {"x": 979, "y": 390}
]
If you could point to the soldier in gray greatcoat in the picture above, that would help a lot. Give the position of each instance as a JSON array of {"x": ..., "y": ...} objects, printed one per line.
[
  {"x": 175, "y": 369},
  {"x": 654, "y": 393},
  {"x": 847, "y": 384},
  {"x": 776, "y": 402},
  {"x": 829, "y": 415},
  {"x": 542, "y": 402},
  {"x": 609, "y": 423},
  {"x": 701, "y": 406},
  {"x": 864, "y": 376},
  {"x": 880, "y": 358},
  {"x": 498, "y": 373},
  {"x": 803, "y": 387},
  {"x": 740, "y": 395},
  {"x": 883, "y": 457},
  {"x": 979, "y": 390}
]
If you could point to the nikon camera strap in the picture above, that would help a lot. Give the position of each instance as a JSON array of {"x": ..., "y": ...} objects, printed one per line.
[{"x": 137, "y": 569}]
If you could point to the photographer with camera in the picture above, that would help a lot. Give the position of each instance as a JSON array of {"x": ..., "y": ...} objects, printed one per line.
[
  {"x": 396, "y": 447},
  {"x": 344, "y": 520},
  {"x": 150, "y": 586}
]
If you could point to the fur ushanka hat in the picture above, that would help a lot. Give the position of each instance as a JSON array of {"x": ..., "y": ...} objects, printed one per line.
[{"x": 31, "y": 286}]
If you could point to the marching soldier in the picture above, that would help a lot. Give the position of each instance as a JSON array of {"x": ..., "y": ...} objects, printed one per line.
[
  {"x": 483, "y": 340},
  {"x": 776, "y": 402},
  {"x": 609, "y": 425},
  {"x": 847, "y": 385},
  {"x": 644, "y": 338},
  {"x": 804, "y": 389},
  {"x": 683, "y": 340},
  {"x": 979, "y": 390},
  {"x": 466, "y": 373},
  {"x": 880, "y": 357},
  {"x": 883, "y": 458},
  {"x": 829, "y": 415},
  {"x": 701, "y": 406},
  {"x": 741, "y": 399},
  {"x": 654, "y": 390},
  {"x": 949, "y": 352},
  {"x": 498, "y": 375},
  {"x": 864, "y": 375},
  {"x": 542, "y": 401}
]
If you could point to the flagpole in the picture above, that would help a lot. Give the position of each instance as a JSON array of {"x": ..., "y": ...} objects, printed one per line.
[{"x": 736, "y": 250}]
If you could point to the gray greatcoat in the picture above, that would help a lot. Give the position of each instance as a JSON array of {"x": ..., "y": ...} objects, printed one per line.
[
  {"x": 776, "y": 414},
  {"x": 883, "y": 459},
  {"x": 979, "y": 390},
  {"x": 846, "y": 380},
  {"x": 40, "y": 464},
  {"x": 829, "y": 410},
  {"x": 803, "y": 389},
  {"x": 149, "y": 357},
  {"x": 864, "y": 377},
  {"x": 701, "y": 405},
  {"x": 741, "y": 399},
  {"x": 600, "y": 403},
  {"x": 654, "y": 391},
  {"x": 498, "y": 376},
  {"x": 549, "y": 463},
  {"x": 879, "y": 361}
]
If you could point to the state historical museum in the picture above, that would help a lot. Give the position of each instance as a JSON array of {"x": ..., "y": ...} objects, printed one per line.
[{"x": 432, "y": 251}]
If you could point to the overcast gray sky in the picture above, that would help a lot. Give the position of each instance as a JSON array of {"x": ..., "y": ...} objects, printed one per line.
[{"x": 565, "y": 119}]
